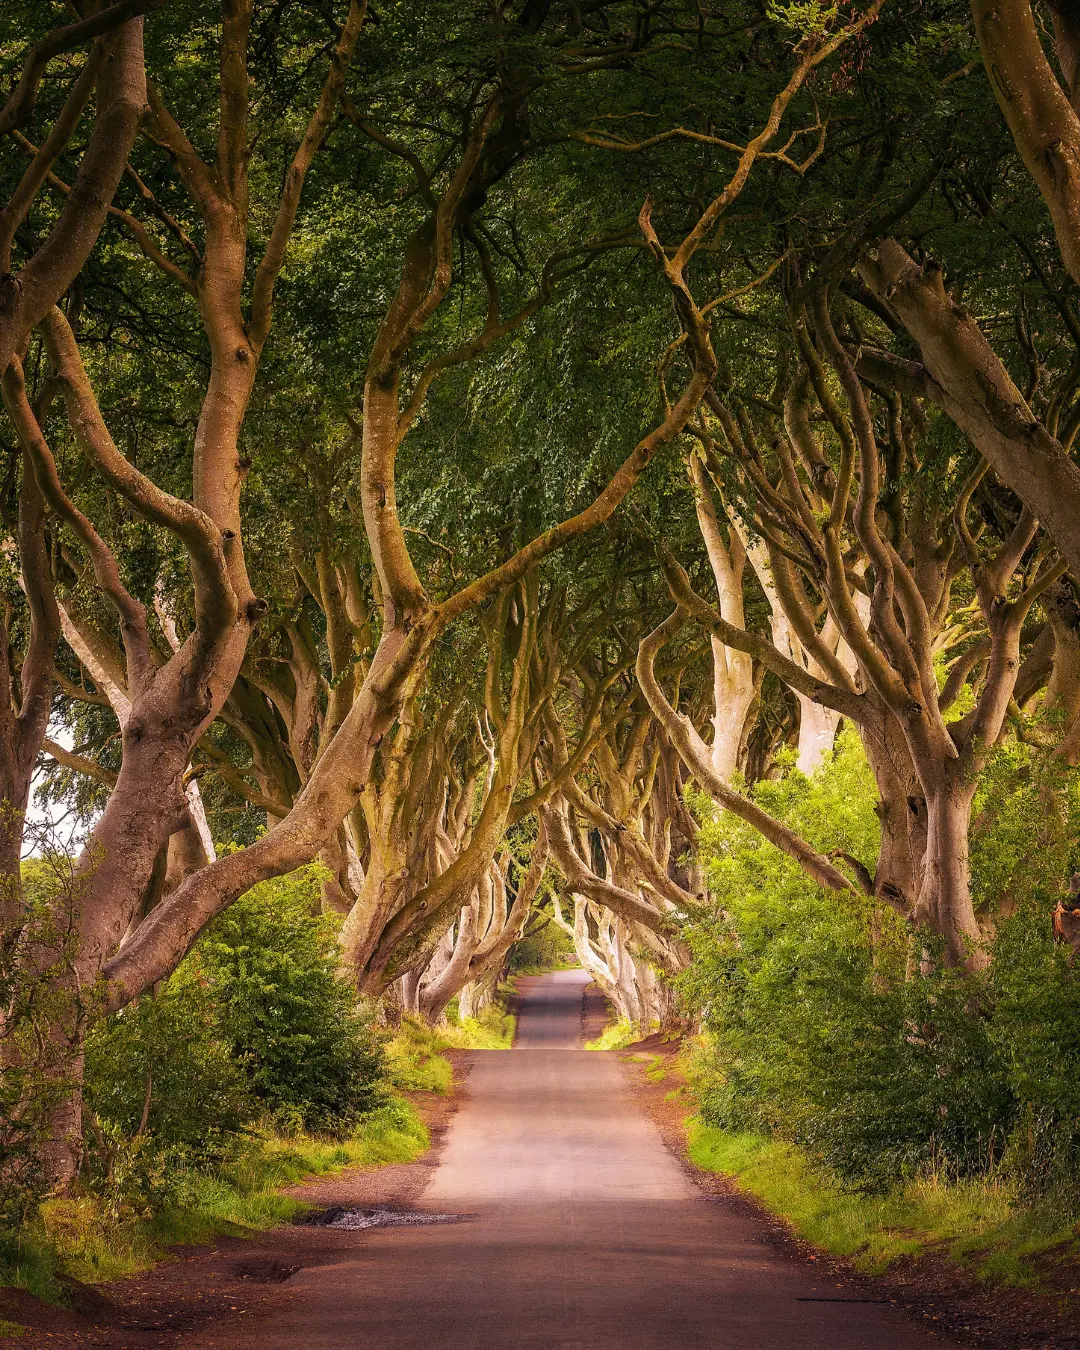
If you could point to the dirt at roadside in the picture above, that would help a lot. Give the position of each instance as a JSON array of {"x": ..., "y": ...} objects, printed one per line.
[
  {"x": 221, "y": 1295},
  {"x": 595, "y": 1014},
  {"x": 928, "y": 1286}
]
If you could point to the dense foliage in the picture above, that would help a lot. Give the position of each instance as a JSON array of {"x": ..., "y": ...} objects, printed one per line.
[
  {"x": 310, "y": 1051},
  {"x": 832, "y": 1024},
  {"x": 255, "y": 1025}
]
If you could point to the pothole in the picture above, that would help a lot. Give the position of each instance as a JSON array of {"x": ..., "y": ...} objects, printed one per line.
[{"x": 353, "y": 1220}]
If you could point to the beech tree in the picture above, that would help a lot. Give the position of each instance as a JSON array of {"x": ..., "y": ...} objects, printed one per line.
[
  {"x": 109, "y": 81},
  {"x": 212, "y": 198},
  {"x": 366, "y": 433}
]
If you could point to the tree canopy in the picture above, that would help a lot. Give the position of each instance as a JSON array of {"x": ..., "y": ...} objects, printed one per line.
[{"x": 479, "y": 449}]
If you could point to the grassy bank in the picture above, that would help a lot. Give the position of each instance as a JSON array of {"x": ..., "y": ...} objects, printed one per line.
[
  {"x": 492, "y": 1030},
  {"x": 96, "y": 1237},
  {"x": 415, "y": 1053},
  {"x": 616, "y": 1036},
  {"x": 978, "y": 1225},
  {"x": 93, "y": 1238}
]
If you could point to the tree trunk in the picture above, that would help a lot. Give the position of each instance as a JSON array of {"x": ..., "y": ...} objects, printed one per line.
[
  {"x": 435, "y": 999},
  {"x": 945, "y": 884},
  {"x": 817, "y": 734}
]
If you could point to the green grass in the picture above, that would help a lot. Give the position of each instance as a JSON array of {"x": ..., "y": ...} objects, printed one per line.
[
  {"x": 492, "y": 1030},
  {"x": 415, "y": 1052},
  {"x": 654, "y": 1066},
  {"x": 415, "y": 1061},
  {"x": 976, "y": 1224},
  {"x": 83, "y": 1237},
  {"x": 617, "y": 1036},
  {"x": 12, "y": 1330}
]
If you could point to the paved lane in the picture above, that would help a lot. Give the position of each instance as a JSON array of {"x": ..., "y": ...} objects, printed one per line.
[{"x": 585, "y": 1232}]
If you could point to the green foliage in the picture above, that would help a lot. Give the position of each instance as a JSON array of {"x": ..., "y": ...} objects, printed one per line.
[
  {"x": 312, "y": 1054},
  {"x": 492, "y": 1029},
  {"x": 414, "y": 1059},
  {"x": 615, "y": 1037},
  {"x": 831, "y": 1025},
  {"x": 254, "y": 1030},
  {"x": 1026, "y": 811},
  {"x": 252, "y": 1067},
  {"x": 256, "y": 1022},
  {"x": 805, "y": 17},
  {"x": 162, "y": 1067},
  {"x": 1034, "y": 1030},
  {"x": 546, "y": 947},
  {"x": 974, "y": 1223}
]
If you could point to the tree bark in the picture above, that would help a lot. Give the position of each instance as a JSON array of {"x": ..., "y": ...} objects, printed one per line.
[
  {"x": 970, "y": 383},
  {"x": 27, "y": 296},
  {"x": 1039, "y": 113}
]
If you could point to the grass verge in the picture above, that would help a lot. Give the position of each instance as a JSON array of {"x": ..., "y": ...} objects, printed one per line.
[
  {"x": 617, "y": 1036},
  {"x": 977, "y": 1225},
  {"x": 415, "y": 1055},
  {"x": 92, "y": 1240},
  {"x": 492, "y": 1030}
]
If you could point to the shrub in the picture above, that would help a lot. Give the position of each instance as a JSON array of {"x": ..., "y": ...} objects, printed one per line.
[
  {"x": 254, "y": 1023},
  {"x": 313, "y": 1056},
  {"x": 164, "y": 1067},
  {"x": 833, "y": 1025}
]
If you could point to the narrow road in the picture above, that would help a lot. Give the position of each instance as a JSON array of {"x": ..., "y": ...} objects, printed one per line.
[{"x": 585, "y": 1232}]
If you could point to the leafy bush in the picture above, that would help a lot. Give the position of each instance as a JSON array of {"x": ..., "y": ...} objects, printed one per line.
[
  {"x": 163, "y": 1067},
  {"x": 313, "y": 1056},
  {"x": 832, "y": 1025},
  {"x": 1035, "y": 1031},
  {"x": 254, "y": 1024}
]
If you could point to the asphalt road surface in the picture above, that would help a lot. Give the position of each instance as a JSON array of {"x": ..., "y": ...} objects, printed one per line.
[{"x": 584, "y": 1231}]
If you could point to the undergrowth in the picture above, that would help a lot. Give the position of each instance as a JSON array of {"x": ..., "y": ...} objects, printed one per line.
[
  {"x": 975, "y": 1223},
  {"x": 253, "y": 1068},
  {"x": 414, "y": 1055},
  {"x": 125, "y": 1221},
  {"x": 492, "y": 1030},
  {"x": 94, "y": 1238},
  {"x": 617, "y": 1036},
  {"x": 884, "y": 1102},
  {"x": 414, "y": 1061}
]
